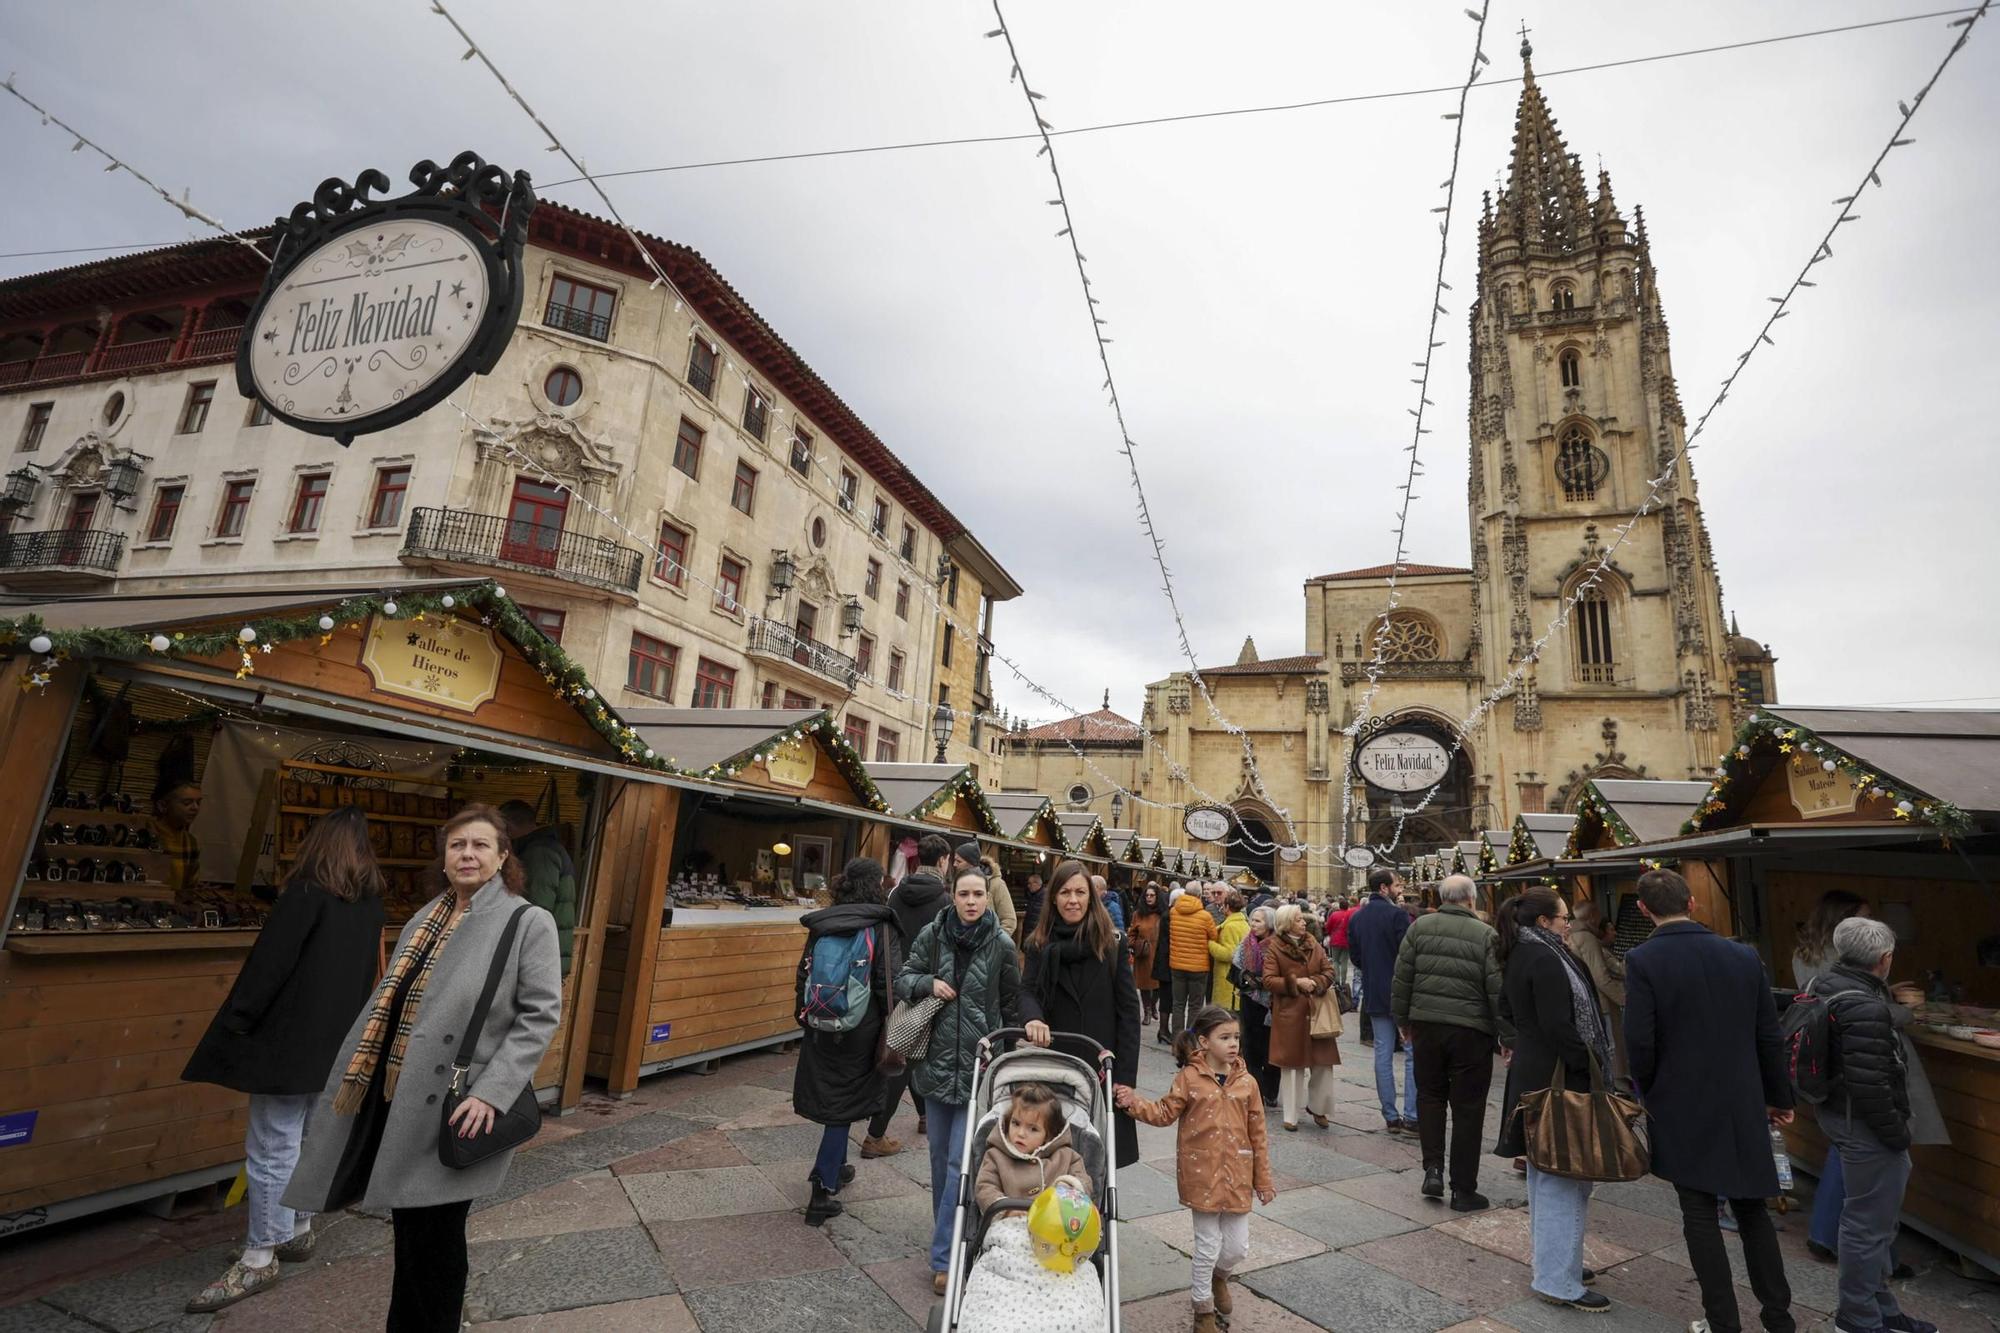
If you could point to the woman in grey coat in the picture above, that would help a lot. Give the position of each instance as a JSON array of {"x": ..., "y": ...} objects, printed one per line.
[{"x": 373, "y": 1137}]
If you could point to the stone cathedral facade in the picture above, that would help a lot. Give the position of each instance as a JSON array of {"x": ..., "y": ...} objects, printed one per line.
[{"x": 1574, "y": 411}]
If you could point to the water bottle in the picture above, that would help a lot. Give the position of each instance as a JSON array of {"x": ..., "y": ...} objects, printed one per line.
[{"x": 1782, "y": 1158}]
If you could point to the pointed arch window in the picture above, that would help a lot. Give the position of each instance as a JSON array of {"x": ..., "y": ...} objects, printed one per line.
[
  {"x": 1596, "y": 653},
  {"x": 1581, "y": 466},
  {"x": 1571, "y": 365},
  {"x": 1562, "y": 296}
]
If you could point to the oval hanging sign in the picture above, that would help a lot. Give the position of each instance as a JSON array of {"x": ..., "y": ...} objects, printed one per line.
[
  {"x": 374, "y": 311},
  {"x": 1291, "y": 855},
  {"x": 1206, "y": 824},
  {"x": 1402, "y": 761}
]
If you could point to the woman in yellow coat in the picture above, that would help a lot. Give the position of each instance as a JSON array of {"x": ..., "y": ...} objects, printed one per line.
[{"x": 1222, "y": 949}]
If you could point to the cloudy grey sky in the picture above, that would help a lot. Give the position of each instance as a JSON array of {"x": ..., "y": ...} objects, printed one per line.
[{"x": 1267, "y": 276}]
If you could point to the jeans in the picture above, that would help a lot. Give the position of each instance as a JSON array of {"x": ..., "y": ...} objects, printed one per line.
[
  {"x": 1556, "y": 1206},
  {"x": 271, "y": 1147},
  {"x": 1827, "y": 1198},
  {"x": 1874, "y": 1176},
  {"x": 427, "y": 1294},
  {"x": 947, "y": 1140},
  {"x": 1190, "y": 994},
  {"x": 1221, "y": 1242},
  {"x": 1453, "y": 1068},
  {"x": 1313, "y": 1086},
  {"x": 1340, "y": 960},
  {"x": 1706, "y": 1250},
  {"x": 832, "y": 1156},
  {"x": 1384, "y": 1028}
]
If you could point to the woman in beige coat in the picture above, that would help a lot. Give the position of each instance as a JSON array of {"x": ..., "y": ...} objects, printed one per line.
[
  {"x": 1296, "y": 969},
  {"x": 1589, "y": 940}
]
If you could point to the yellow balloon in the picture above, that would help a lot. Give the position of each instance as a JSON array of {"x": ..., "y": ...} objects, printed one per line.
[{"x": 782, "y": 848}]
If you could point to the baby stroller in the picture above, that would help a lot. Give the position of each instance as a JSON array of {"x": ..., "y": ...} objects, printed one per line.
[{"x": 1085, "y": 1095}]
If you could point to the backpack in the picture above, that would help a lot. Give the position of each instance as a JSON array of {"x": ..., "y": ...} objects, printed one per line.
[
  {"x": 1810, "y": 1058},
  {"x": 837, "y": 987}
]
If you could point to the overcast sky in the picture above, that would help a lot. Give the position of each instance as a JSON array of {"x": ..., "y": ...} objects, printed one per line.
[{"x": 1266, "y": 276}]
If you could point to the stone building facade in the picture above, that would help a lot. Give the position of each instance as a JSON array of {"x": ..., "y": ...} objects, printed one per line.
[{"x": 673, "y": 492}]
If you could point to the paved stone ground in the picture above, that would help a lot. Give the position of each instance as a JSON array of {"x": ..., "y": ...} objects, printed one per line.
[{"x": 677, "y": 1211}]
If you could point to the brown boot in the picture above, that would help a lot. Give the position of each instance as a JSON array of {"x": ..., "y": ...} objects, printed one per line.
[
  {"x": 1204, "y": 1321},
  {"x": 882, "y": 1147},
  {"x": 1219, "y": 1284}
]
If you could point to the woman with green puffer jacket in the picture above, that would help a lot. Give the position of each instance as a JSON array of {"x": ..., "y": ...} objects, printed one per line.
[{"x": 964, "y": 959}]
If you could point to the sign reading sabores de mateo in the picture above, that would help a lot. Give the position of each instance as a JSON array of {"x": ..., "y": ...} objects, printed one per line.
[
  {"x": 1402, "y": 761},
  {"x": 374, "y": 311}
]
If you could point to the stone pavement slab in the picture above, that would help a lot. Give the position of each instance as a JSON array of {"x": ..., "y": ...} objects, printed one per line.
[
  {"x": 1145, "y": 1190},
  {"x": 655, "y": 1314},
  {"x": 1668, "y": 1289},
  {"x": 35, "y": 1317},
  {"x": 331, "y": 1299},
  {"x": 1470, "y": 1276},
  {"x": 908, "y": 1283},
  {"x": 592, "y": 1203},
  {"x": 1629, "y": 1229},
  {"x": 1335, "y": 1219},
  {"x": 1169, "y": 1314},
  {"x": 726, "y": 1191},
  {"x": 874, "y": 1179},
  {"x": 1538, "y": 1316},
  {"x": 717, "y": 1104},
  {"x": 708, "y": 1148},
  {"x": 349, "y": 1236},
  {"x": 545, "y": 1274},
  {"x": 1504, "y": 1231},
  {"x": 1312, "y": 1156},
  {"x": 778, "y": 1113},
  {"x": 883, "y": 1230},
  {"x": 1148, "y": 1266},
  {"x": 1483, "y": 1324},
  {"x": 1389, "y": 1152},
  {"x": 1652, "y": 1196},
  {"x": 845, "y": 1301},
  {"x": 1395, "y": 1192},
  {"x": 143, "y": 1298},
  {"x": 784, "y": 1143},
  {"x": 1270, "y": 1242},
  {"x": 598, "y": 1149},
  {"x": 718, "y": 1251},
  {"x": 1345, "y": 1295}
]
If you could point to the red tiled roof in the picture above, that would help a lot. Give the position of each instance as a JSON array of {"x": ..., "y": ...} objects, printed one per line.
[
  {"x": 1382, "y": 572},
  {"x": 1303, "y": 665},
  {"x": 1103, "y": 725}
]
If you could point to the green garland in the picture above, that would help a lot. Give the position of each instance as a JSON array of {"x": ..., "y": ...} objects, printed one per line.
[
  {"x": 962, "y": 787},
  {"x": 1592, "y": 802},
  {"x": 1774, "y": 737}
]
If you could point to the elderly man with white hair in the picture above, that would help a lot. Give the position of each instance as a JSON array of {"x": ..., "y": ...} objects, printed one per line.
[{"x": 1446, "y": 1000}]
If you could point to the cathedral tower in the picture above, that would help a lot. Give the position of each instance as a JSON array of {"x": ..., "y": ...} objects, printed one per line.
[{"x": 1573, "y": 412}]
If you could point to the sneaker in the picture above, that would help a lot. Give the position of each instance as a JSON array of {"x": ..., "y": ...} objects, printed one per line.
[
  {"x": 882, "y": 1147},
  {"x": 1903, "y": 1323},
  {"x": 233, "y": 1286},
  {"x": 1590, "y": 1302},
  {"x": 1433, "y": 1183},
  {"x": 298, "y": 1249},
  {"x": 1469, "y": 1201},
  {"x": 939, "y": 1281}
]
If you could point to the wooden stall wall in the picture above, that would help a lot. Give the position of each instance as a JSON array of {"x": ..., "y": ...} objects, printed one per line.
[
  {"x": 718, "y": 986},
  {"x": 634, "y": 862},
  {"x": 1939, "y": 924}
]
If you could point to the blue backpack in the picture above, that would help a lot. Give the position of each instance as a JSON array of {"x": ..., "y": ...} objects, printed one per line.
[{"x": 837, "y": 989}]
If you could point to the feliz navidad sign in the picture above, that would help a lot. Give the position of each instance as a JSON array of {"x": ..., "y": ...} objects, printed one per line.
[{"x": 374, "y": 311}]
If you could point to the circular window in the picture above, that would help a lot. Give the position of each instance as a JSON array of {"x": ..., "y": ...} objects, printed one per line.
[
  {"x": 1079, "y": 795},
  {"x": 563, "y": 386},
  {"x": 114, "y": 407},
  {"x": 819, "y": 532}
]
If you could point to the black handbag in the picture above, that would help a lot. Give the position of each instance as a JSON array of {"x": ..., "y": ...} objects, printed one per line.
[{"x": 516, "y": 1124}]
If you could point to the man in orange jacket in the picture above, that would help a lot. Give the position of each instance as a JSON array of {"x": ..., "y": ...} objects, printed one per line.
[{"x": 1189, "y": 930}]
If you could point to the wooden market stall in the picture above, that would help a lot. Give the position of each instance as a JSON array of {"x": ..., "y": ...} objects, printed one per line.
[
  {"x": 1902, "y": 808},
  {"x": 1616, "y": 815},
  {"x": 1083, "y": 833},
  {"x": 937, "y": 798},
  {"x": 408, "y": 702},
  {"x": 1538, "y": 836},
  {"x": 702, "y": 932},
  {"x": 1032, "y": 839}
]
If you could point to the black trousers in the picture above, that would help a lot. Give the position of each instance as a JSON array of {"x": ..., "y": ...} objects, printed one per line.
[
  {"x": 892, "y": 1094},
  {"x": 428, "y": 1294},
  {"x": 1454, "y": 1069},
  {"x": 1711, "y": 1262},
  {"x": 1257, "y": 1046}
]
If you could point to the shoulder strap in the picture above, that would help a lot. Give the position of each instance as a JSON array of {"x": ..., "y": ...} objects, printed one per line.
[{"x": 477, "y": 1023}]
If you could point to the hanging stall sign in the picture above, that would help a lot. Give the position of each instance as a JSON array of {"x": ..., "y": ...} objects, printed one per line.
[
  {"x": 793, "y": 763},
  {"x": 445, "y": 662},
  {"x": 1205, "y": 824},
  {"x": 1816, "y": 791},
  {"x": 1402, "y": 761},
  {"x": 1291, "y": 855},
  {"x": 374, "y": 311}
]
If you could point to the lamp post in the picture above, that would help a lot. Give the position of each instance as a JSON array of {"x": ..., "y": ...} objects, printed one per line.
[
  {"x": 783, "y": 569},
  {"x": 1117, "y": 808},
  {"x": 941, "y": 721}
]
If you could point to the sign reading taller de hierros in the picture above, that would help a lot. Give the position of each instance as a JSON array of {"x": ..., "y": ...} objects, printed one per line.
[
  {"x": 374, "y": 311},
  {"x": 446, "y": 662}
]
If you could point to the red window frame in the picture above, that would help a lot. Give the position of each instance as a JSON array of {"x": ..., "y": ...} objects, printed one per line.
[
  {"x": 562, "y": 386},
  {"x": 864, "y": 653},
  {"x": 857, "y": 734},
  {"x": 714, "y": 684},
  {"x": 310, "y": 502},
  {"x": 536, "y": 513},
  {"x": 756, "y": 412},
  {"x": 871, "y": 583},
  {"x": 887, "y": 745},
  {"x": 587, "y": 299},
  {"x": 36, "y": 427},
  {"x": 546, "y": 619},
  {"x": 687, "y": 448},
  {"x": 671, "y": 557},
  {"x": 385, "y": 507},
  {"x": 166, "y": 513},
  {"x": 729, "y": 576},
  {"x": 878, "y": 520},
  {"x": 743, "y": 491},
  {"x": 794, "y": 699},
  {"x": 649, "y": 666},
  {"x": 908, "y": 548},
  {"x": 194, "y": 413},
  {"x": 235, "y": 509}
]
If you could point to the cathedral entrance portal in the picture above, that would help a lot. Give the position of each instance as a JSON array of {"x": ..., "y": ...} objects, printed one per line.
[{"x": 1251, "y": 844}]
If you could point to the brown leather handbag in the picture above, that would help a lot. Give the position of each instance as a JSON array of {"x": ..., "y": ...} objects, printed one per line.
[{"x": 1598, "y": 1135}]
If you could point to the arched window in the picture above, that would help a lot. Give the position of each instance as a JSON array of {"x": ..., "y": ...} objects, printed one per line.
[
  {"x": 1410, "y": 636},
  {"x": 1562, "y": 296},
  {"x": 1596, "y": 655},
  {"x": 1571, "y": 362},
  {"x": 1581, "y": 466}
]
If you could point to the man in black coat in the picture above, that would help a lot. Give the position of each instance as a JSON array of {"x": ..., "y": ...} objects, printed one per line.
[
  {"x": 916, "y": 903},
  {"x": 1701, "y": 1033}
]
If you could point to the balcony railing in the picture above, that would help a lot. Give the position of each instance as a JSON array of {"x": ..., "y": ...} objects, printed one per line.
[
  {"x": 1597, "y": 673},
  {"x": 203, "y": 346},
  {"x": 214, "y": 342},
  {"x": 88, "y": 550},
  {"x": 490, "y": 539},
  {"x": 701, "y": 379},
  {"x": 581, "y": 322},
  {"x": 770, "y": 639},
  {"x": 132, "y": 356}
]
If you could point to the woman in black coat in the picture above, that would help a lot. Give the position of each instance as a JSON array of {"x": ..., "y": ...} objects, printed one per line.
[
  {"x": 839, "y": 1077},
  {"x": 283, "y": 1023},
  {"x": 1163, "y": 967},
  {"x": 1550, "y": 1005},
  {"x": 1079, "y": 979}
]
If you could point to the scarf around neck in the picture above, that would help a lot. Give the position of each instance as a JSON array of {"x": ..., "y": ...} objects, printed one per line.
[
  {"x": 1069, "y": 968},
  {"x": 426, "y": 942},
  {"x": 1582, "y": 995},
  {"x": 1295, "y": 946}
]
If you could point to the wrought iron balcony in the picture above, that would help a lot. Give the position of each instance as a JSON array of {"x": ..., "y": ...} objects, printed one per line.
[
  {"x": 82, "y": 550},
  {"x": 581, "y": 322},
  {"x": 536, "y": 548},
  {"x": 772, "y": 640}
]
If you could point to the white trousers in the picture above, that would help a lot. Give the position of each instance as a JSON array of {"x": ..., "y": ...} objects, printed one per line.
[
  {"x": 1313, "y": 1086},
  {"x": 1221, "y": 1242}
]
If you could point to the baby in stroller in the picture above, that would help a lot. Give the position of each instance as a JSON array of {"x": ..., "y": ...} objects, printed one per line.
[
  {"x": 1010, "y": 1287},
  {"x": 1031, "y": 1152}
]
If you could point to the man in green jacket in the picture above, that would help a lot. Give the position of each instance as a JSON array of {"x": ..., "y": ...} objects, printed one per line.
[
  {"x": 1447, "y": 1003},
  {"x": 550, "y": 871}
]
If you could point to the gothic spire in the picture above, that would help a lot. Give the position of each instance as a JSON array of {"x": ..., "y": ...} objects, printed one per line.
[{"x": 1545, "y": 196}]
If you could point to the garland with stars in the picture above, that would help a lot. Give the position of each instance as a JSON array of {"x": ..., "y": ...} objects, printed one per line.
[{"x": 1592, "y": 803}]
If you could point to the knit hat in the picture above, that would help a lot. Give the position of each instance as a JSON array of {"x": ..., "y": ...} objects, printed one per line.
[{"x": 967, "y": 852}]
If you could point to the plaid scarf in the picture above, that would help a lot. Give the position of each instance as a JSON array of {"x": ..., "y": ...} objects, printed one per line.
[{"x": 426, "y": 942}]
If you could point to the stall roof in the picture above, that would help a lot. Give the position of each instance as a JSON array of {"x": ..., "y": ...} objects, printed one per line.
[
  {"x": 1768, "y": 839},
  {"x": 1118, "y": 840},
  {"x": 701, "y": 738},
  {"x": 1950, "y": 754},
  {"x": 910, "y": 788},
  {"x": 1017, "y": 812},
  {"x": 1547, "y": 834},
  {"x": 200, "y": 606},
  {"x": 1653, "y": 808}
]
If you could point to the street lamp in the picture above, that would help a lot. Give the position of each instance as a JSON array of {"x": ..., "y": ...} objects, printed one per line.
[
  {"x": 22, "y": 484},
  {"x": 941, "y": 722},
  {"x": 1117, "y": 808},
  {"x": 783, "y": 570},
  {"x": 121, "y": 479},
  {"x": 850, "y": 617}
]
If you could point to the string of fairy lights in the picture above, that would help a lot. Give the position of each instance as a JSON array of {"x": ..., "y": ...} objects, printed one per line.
[{"x": 1597, "y": 566}]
